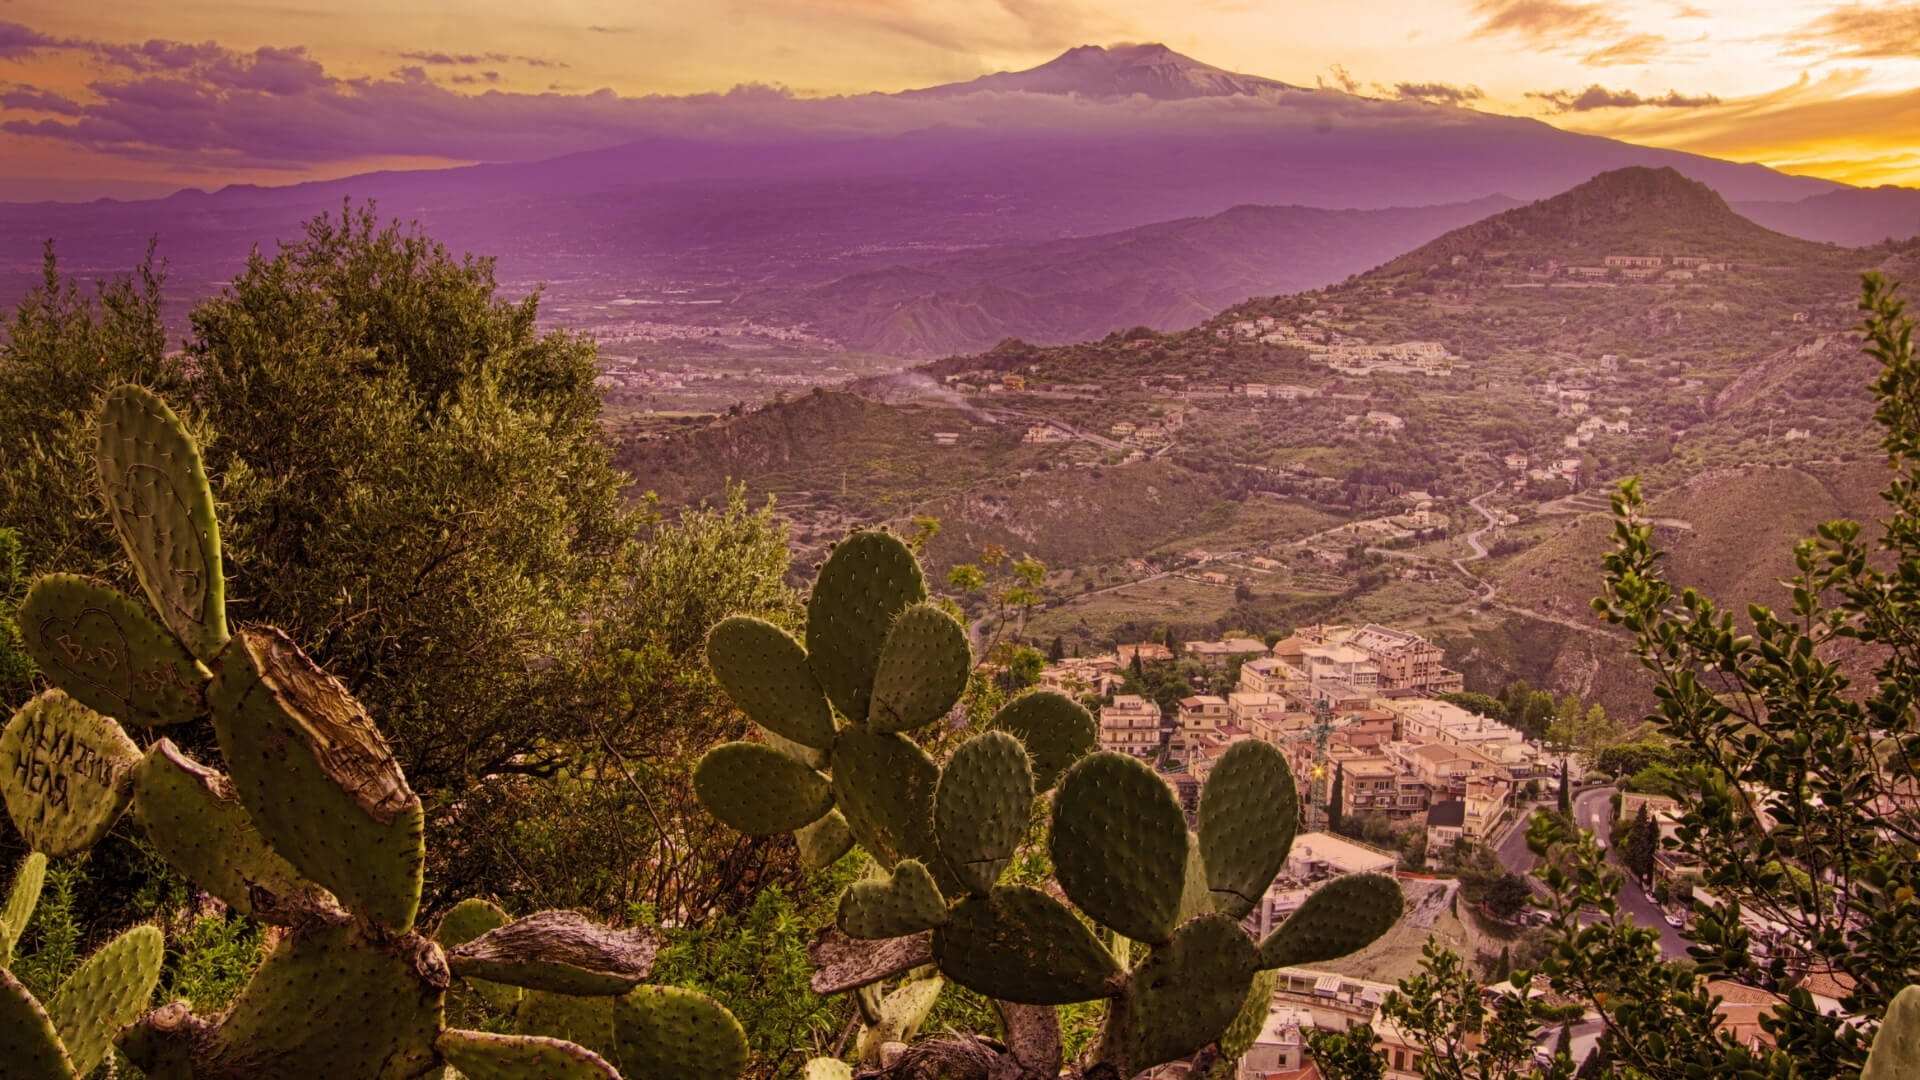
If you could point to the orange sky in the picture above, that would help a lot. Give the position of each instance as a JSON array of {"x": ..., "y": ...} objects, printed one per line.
[{"x": 1809, "y": 86}]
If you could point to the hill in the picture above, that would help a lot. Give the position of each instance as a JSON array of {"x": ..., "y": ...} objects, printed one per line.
[
  {"x": 1092, "y": 71},
  {"x": 1854, "y": 217},
  {"x": 1165, "y": 276},
  {"x": 1630, "y": 211}
]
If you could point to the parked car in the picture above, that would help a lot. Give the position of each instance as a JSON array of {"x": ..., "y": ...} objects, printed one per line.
[{"x": 1673, "y": 920}]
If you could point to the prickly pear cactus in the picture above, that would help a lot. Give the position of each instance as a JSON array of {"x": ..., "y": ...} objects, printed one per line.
[
  {"x": 312, "y": 829},
  {"x": 942, "y": 835},
  {"x": 1896, "y": 1046}
]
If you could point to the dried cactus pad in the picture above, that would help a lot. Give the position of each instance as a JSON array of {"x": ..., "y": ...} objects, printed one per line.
[
  {"x": 107, "y": 654},
  {"x": 22, "y": 897},
  {"x": 870, "y": 578},
  {"x": 105, "y": 994},
  {"x": 759, "y": 790},
  {"x": 1021, "y": 945},
  {"x": 162, "y": 510},
  {"x": 1120, "y": 846},
  {"x": 766, "y": 674},
  {"x": 481, "y": 1056},
  {"x": 1053, "y": 727},
  {"x": 193, "y": 815},
  {"x": 563, "y": 952},
  {"x": 1186, "y": 992},
  {"x": 317, "y": 778},
  {"x": 66, "y": 773},
  {"x": 1248, "y": 813},
  {"x": 980, "y": 808},
  {"x": 468, "y": 920},
  {"x": 905, "y": 902},
  {"x": 923, "y": 670},
  {"x": 668, "y": 1032},
  {"x": 1346, "y": 914},
  {"x": 29, "y": 1047}
]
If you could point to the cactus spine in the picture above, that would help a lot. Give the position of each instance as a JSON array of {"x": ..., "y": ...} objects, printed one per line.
[{"x": 312, "y": 829}]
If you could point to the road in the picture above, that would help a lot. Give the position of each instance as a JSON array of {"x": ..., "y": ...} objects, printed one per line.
[{"x": 1591, "y": 811}]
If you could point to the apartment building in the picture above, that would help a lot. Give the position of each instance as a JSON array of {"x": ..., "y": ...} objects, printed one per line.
[
  {"x": 1131, "y": 725},
  {"x": 1406, "y": 661}
]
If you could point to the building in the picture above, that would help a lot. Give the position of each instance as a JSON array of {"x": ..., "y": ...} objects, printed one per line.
[
  {"x": 1368, "y": 783},
  {"x": 1279, "y": 1052},
  {"x": 1446, "y": 824},
  {"x": 1199, "y": 715},
  {"x": 1318, "y": 855},
  {"x": 1147, "y": 651},
  {"x": 1131, "y": 725},
  {"x": 1406, "y": 661},
  {"x": 1632, "y": 801},
  {"x": 1340, "y": 663},
  {"x": 1267, "y": 675},
  {"x": 1083, "y": 676},
  {"x": 1637, "y": 261},
  {"x": 1245, "y": 706},
  {"x": 1216, "y": 654}
]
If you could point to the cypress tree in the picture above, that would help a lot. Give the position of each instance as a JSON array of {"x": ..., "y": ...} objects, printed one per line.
[
  {"x": 1566, "y": 798},
  {"x": 1333, "y": 800}
]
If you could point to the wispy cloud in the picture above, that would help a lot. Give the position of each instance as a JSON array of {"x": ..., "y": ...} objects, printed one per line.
[
  {"x": 1599, "y": 97},
  {"x": 1545, "y": 22},
  {"x": 17, "y": 42},
  {"x": 443, "y": 59},
  {"x": 33, "y": 99},
  {"x": 1337, "y": 78},
  {"x": 1887, "y": 31},
  {"x": 1633, "y": 49}
]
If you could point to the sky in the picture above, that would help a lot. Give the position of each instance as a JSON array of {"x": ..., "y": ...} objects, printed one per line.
[{"x": 132, "y": 98}]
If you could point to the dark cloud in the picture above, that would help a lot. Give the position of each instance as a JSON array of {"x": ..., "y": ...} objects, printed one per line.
[
  {"x": 156, "y": 55},
  {"x": 1437, "y": 92},
  {"x": 1635, "y": 49},
  {"x": 18, "y": 42},
  {"x": 1545, "y": 22},
  {"x": 1599, "y": 97},
  {"x": 483, "y": 77},
  {"x": 33, "y": 99},
  {"x": 1887, "y": 31}
]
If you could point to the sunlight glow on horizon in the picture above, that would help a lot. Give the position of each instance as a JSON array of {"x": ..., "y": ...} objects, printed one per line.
[{"x": 1818, "y": 87}]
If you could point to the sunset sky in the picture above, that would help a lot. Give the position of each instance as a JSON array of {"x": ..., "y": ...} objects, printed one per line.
[{"x": 132, "y": 98}]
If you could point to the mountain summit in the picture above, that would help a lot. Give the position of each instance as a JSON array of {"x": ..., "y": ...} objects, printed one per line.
[
  {"x": 1094, "y": 71},
  {"x": 1635, "y": 210}
]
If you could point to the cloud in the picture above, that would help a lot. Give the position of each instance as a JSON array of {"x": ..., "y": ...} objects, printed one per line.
[
  {"x": 611, "y": 29},
  {"x": 1634, "y": 49},
  {"x": 442, "y": 59},
  {"x": 483, "y": 77},
  {"x": 1437, "y": 92},
  {"x": 18, "y": 42},
  {"x": 1599, "y": 97},
  {"x": 1337, "y": 78},
  {"x": 1544, "y": 22},
  {"x": 1878, "y": 31},
  {"x": 33, "y": 99}
]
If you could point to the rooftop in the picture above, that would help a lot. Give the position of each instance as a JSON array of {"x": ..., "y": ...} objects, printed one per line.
[{"x": 1451, "y": 814}]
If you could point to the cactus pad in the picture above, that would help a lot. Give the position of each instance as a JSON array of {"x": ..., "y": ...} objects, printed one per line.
[
  {"x": 105, "y": 994},
  {"x": 1053, "y": 727},
  {"x": 1346, "y": 914},
  {"x": 906, "y": 902},
  {"x": 193, "y": 816},
  {"x": 766, "y": 674},
  {"x": 1187, "y": 992},
  {"x": 826, "y": 1068},
  {"x": 884, "y": 785},
  {"x": 1252, "y": 1018},
  {"x": 162, "y": 510},
  {"x": 1120, "y": 846},
  {"x": 1196, "y": 899},
  {"x": 923, "y": 670},
  {"x": 902, "y": 1012},
  {"x": 1021, "y": 945},
  {"x": 759, "y": 790},
  {"x": 587, "y": 1021},
  {"x": 29, "y": 1047},
  {"x": 664, "y": 1031},
  {"x": 562, "y": 952},
  {"x": 66, "y": 773},
  {"x": 22, "y": 897},
  {"x": 1896, "y": 1046},
  {"x": 824, "y": 842},
  {"x": 870, "y": 578},
  {"x": 316, "y": 777},
  {"x": 105, "y": 652},
  {"x": 329, "y": 1001},
  {"x": 981, "y": 806},
  {"x": 468, "y": 920},
  {"x": 1248, "y": 813},
  {"x": 480, "y": 1056}
]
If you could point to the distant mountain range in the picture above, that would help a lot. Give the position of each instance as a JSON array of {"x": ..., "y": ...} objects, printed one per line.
[{"x": 1109, "y": 187}]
